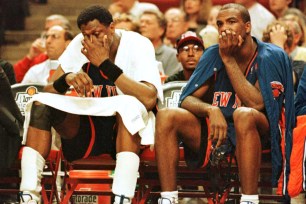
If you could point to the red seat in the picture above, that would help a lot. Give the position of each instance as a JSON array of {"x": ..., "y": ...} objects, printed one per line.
[{"x": 90, "y": 177}]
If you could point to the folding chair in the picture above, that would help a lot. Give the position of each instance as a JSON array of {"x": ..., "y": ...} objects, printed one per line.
[
  {"x": 23, "y": 93},
  {"x": 89, "y": 179}
]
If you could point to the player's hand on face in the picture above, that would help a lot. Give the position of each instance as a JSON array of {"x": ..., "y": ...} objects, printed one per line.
[
  {"x": 95, "y": 51},
  {"x": 229, "y": 42},
  {"x": 217, "y": 125},
  {"x": 81, "y": 83}
]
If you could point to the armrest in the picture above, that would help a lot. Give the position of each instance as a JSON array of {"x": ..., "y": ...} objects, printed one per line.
[{"x": 9, "y": 122}]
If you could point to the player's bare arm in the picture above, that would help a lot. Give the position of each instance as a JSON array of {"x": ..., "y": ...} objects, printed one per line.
[
  {"x": 217, "y": 122},
  {"x": 145, "y": 92},
  {"x": 230, "y": 43}
]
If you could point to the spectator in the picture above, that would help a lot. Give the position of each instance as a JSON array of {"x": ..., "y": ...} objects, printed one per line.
[
  {"x": 209, "y": 35},
  {"x": 296, "y": 51},
  {"x": 295, "y": 14},
  {"x": 259, "y": 22},
  {"x": 9, "y": 71},
  {"x": 279, "y": 7},
  {"x": 131, "y": 7},
  {"x": 176, "y": 25},
  {"x": 126, "y": 22},
  {"x": 197, "y": 12},
  {"x": 36, "y": 52},
  {"x": 213, "y": 15},
  {"x": 240, "y": 86},
  {"x": 99, "y": 63},
  {"x": 153, "y": 26},
  {"x": 281, "y": 35},
  {"x": 57, "y": 39},
  {"x": 189, "y": 50}
]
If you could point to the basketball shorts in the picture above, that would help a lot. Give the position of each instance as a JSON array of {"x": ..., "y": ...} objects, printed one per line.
[
  {"x": 201, "y": 158},
  {"x": 96, "y": 136}
]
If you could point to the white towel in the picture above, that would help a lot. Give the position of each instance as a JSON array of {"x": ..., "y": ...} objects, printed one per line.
[{"x": 134, "y": 114}]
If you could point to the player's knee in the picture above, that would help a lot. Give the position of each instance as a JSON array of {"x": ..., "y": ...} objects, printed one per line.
[
  {"x": 165, "y": 118},
  {"x": 40, "y": 116},
  {"x": 243, "y": 116}
]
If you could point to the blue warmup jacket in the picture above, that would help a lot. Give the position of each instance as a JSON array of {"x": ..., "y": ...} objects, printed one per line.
[
  {"x": 276, "y": 84},
  {"x": 300, "y": 99}
]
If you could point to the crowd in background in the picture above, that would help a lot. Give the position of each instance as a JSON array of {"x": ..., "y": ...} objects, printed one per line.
[
  {"x": 280, "y": 24},
  {"x": 165, "y": 28}
]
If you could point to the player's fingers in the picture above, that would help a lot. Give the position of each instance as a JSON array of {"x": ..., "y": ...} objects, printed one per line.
[
  {"x": 88, "y": 85},
  {"x": 216, "y": 133},
  {"x": 240, "y": 40},
  {"x": 224, "y": 37},
  {"x": 105, "y": 42},
  {"x": 229, "y": 37},
  {"x": 219, "y": 142},
  {"x": 223, "y": 134},
  {"x": 79, "y": 84},
  {"x": 235, "y": 39},
  {"x": 211, "y": 133},
  {"x": 84, "y": 51}
]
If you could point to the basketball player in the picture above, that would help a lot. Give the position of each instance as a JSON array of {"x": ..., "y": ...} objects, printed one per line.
[
  {"x": 100, "y": 62},
  {"x": 239, "y": 86}
]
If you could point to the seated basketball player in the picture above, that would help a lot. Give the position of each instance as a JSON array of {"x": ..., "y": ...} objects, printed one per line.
[
  {"x": 100, "y": 62},
  {"x": 239, "y": 86}
]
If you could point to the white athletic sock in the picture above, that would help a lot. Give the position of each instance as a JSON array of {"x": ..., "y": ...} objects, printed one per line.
[
  {"x": 125, "y": 176},
  {"x": 298, "y": 199},
  {"x": 249, "y": 199},
  {"x": 168, "y": 197},
  {"x": 32, "y": 165}
]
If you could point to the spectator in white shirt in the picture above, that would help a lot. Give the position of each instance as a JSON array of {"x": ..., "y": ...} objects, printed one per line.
[{"x": 57, "y": 39}]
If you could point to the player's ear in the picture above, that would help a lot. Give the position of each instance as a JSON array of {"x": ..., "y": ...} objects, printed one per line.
[
  {"x": 248, "y": 27},
  {"x": 112, "y": 27}
]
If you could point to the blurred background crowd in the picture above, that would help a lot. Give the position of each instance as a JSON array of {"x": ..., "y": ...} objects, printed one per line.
[{"x": 30, "y": 42}]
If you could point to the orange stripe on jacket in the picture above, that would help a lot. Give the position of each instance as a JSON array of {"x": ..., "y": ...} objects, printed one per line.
[{"x": 282, "y": 126}]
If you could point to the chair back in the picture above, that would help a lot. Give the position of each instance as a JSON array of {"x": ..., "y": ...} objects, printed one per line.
[
  {"x": 24, "y": 92},
  {"x": 172, "y": 92}
]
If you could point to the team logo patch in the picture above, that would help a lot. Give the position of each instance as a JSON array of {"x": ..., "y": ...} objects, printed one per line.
[
  {"x": 173, "y": 99},
  {"x": 23, "y": 97},
  {"x": 277, "y": 88}
]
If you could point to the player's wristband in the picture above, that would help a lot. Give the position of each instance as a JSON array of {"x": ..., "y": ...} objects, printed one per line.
[
  {"x": 60, "y": 85},
  {"x": 110, "y": 70}
]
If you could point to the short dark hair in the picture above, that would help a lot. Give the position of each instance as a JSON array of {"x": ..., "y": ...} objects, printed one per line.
[
  {"x": 245, "y": 15},
  {"x": 95, "y": 12}
]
